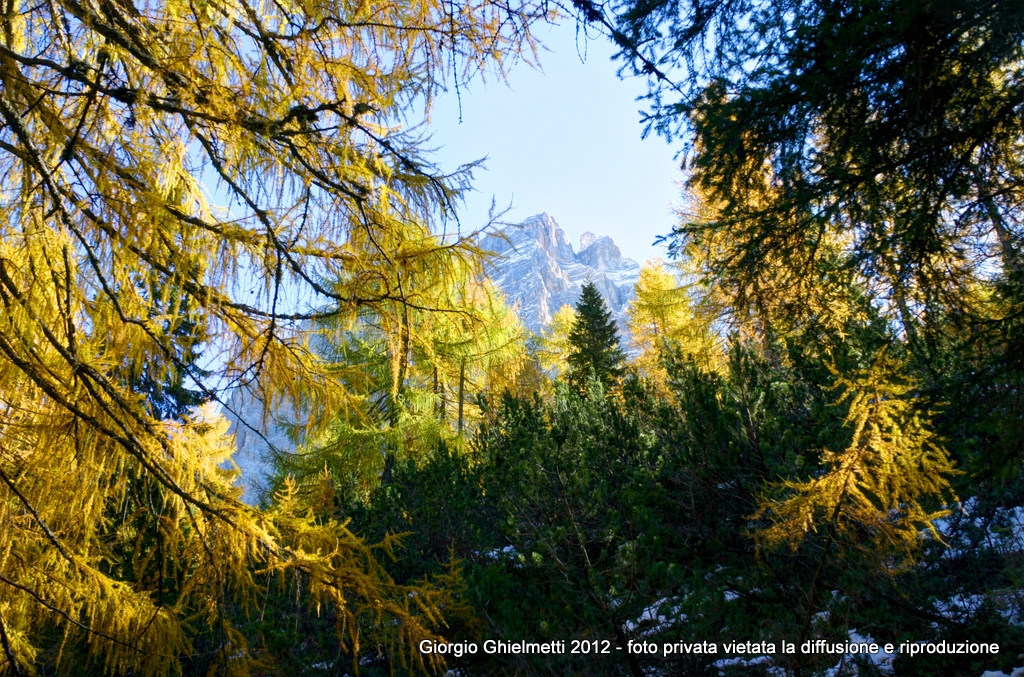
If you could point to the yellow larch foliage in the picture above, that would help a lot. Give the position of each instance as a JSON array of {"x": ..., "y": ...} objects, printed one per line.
[
  {"x": 413, "y": 366},
  {"x": 553, "y": 345},
  {"x": 792, "y": 288},
  {"x": 122, "y": 125},
  {"x": 664, "y": 316},
  {"x": 888, "y": 485}
]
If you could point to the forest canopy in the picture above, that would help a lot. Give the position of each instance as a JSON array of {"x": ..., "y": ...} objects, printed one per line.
[
  {"x": 808, "y": 425},
  {"x": 880, "y": 138}
]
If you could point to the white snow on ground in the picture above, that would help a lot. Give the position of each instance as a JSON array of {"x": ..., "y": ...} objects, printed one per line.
[
  {"x": 651, "y": 621},
  {"x": 1016, "y": 672},
  {"x": 882, "y": 660},
  {"x": 765, "y": 661},
  {"x": 1005, "y": 540},
  {"x": 845, "y": 666},
  {"x": 960, "y": 607},
  {"x": 507, "y": 551},
  {"x": 1003, "y": 535}
]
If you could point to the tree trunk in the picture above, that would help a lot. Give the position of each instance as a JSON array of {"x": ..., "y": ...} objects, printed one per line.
[
  {"x": 397, "y": 389},
  {"x": 439, "y": 406},
  {"x": 907, "y": 318},
  {"x": 1011, "y": 258},
  {"x": 462, "y": 390}
]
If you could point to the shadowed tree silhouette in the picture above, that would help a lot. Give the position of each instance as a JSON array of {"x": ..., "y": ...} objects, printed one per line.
[{"x": 593, "y": 342}]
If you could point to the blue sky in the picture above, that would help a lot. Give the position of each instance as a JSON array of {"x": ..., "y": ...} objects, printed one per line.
[{"x": 564, "y": 140}]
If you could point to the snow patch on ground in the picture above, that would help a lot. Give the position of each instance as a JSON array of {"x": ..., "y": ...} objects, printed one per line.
[
  {"x": 960, "y": 607},
  {"x": 758, "y": 661},
  {"x": 1016, "y": 672},
  {"x": 651, "y": 620},
  {"x": 1003, "y": 534},
  {"x": 847, "y": 665}
]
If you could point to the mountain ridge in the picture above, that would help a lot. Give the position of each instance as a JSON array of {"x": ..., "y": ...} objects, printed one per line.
[{"x": 539, "y": 272}]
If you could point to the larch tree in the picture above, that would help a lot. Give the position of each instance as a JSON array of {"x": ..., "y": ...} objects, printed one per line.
[
  {"x": 553, "y": 345},
  {"x": 412, "y": 368},
  {"x": 664, "y": 316},
  {"x": 122, "y": 126},
  {"x": 594, "y": 349},
  {"x": 872, "y": 501}
]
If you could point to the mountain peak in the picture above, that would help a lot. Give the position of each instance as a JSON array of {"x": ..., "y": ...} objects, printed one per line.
[
  {"x": 546, "y": 232},
  {"x": 539, "y": 272},
  {"x": 602, "y": 254}
]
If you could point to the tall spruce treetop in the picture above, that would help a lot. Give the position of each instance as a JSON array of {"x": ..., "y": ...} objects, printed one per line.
[{"x": 593, "y": 341}]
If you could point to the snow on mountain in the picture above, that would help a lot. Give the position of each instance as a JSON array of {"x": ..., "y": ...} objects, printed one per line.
[{"x": 537, "y": 268}]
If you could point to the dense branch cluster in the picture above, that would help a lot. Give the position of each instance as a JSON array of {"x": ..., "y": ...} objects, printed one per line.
[
  {"x": 879, "y": 138},
  {"x": 184, "y": 187}
]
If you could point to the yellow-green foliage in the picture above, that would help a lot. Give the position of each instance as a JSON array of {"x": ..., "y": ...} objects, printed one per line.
[
  {"x": 118, "y": 122},
  {"x": 413, "y": 365},
  {"x": 663, "y": 314},
  {"x": 553, "y": 349},
  {"x": 793, "y": 290},
  {"x": 885, "y": 488}
]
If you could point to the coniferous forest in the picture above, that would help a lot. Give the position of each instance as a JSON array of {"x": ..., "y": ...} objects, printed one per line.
[{"x": 811, "y": 434}]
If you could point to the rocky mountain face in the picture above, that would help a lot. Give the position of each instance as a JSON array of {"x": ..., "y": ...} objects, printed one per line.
[
  {"x": 537, "y": 268},
  {"x": 260, "y": 434}
]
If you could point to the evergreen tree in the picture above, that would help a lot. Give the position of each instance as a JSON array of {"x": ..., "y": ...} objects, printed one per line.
[
  {"x": 887, "y": 125},
  {"x": 170, "y": 386},
  {"x": 593, "y": 342}
]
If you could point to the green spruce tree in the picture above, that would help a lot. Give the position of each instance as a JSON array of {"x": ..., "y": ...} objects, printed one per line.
[{"x": 593, "y": 342}]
